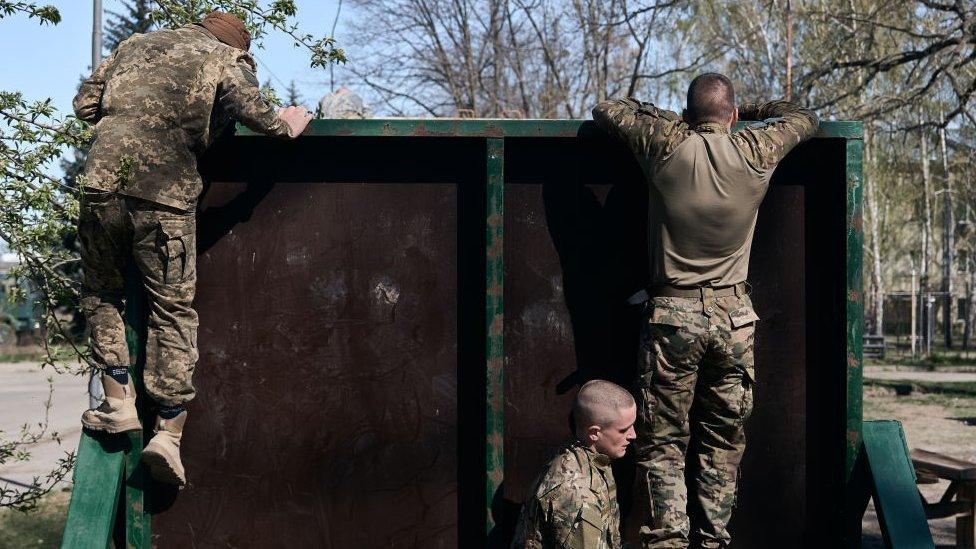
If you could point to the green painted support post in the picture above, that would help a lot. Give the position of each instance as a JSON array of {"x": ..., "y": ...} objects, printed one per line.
[
  {"x": 494, "y": 321},
  {"x": 855, "y": 301},
  {"x": 892, "y": 481},
  {"x": 138, "y": 533},
  {"x": 95, "y": 494},
  {"x": 105, "y": 463},
  {"x": 854, "y": 506}
]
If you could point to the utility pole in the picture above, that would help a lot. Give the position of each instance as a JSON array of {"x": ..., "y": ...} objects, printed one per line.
[
  {"x": 96, "y": 33},
  {"x": 96, "y": 392},
  {"x": 948, "y": 238}
]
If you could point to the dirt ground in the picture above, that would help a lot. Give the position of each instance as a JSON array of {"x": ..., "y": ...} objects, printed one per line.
[{"x": 936, "y": 422}]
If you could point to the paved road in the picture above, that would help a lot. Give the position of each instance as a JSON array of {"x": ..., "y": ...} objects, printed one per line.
[
  {"x": 23, "y": 392},
  {"x": 876, "y": 372}
]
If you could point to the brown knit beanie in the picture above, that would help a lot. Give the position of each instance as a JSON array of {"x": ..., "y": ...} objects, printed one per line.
[{"x": 228, "y": 29}]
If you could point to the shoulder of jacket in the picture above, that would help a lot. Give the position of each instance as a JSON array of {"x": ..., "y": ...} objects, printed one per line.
[{"x": 563, "y": 472}]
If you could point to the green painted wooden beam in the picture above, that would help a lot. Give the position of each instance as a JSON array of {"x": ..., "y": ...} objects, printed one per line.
[
  {"x": 95, "y": 494},
  {"x": 495, "y": 320},
  {"x": 491, "y": 127},
  {"x": 896, "y": 498}
]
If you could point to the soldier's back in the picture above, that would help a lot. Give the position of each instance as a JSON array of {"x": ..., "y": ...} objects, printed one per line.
[
  {"x": 154, "y": 74},
  {"x": 157, "y": 115}
]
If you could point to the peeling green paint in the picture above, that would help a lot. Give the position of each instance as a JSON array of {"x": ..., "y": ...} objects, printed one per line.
[
  {"x": 855, "y": 335},
  {"x": 494, "y": 320},
  {"x": 855, "y": 305}
]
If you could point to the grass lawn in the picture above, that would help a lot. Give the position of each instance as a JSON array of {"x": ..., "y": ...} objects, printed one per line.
[{"x": 38, "y": 528}]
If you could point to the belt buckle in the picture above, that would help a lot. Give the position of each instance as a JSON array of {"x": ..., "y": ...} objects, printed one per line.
[{"x": 707, "y": 299}]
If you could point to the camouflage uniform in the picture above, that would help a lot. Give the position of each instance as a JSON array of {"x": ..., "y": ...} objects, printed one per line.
[
  {"x": 343, "y": 103},
  {"x": 157, "y": 103},
  {"x": 705, "y": 187},
  {"x": 573, "y": 504}
]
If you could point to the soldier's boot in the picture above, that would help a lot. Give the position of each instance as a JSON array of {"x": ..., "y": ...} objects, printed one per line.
[
  {"x": 117, "y": 413},
  {"x": 162, "y": 454}
]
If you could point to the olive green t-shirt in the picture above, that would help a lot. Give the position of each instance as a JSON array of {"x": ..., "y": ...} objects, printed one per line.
[{"x": 705, "y": 183}]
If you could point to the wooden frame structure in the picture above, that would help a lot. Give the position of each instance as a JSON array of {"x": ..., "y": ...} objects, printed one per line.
[{"x": 110, "y": 487}]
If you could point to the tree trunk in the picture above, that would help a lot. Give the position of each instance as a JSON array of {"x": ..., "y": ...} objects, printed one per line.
[
  {"x": 872, "y": 212},
  {"x": 927, "y": 226},
  {"x": 948, "y": 243}
]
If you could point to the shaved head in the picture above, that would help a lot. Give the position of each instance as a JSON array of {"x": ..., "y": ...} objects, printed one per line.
[
  {"x": 711, "y": 98},
  {"x": 600, "y": 403}
]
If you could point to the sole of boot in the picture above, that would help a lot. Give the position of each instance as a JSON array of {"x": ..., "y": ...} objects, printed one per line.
[
  {"x": 112, "y": 427},
  {"x": 160, "y": 468}
]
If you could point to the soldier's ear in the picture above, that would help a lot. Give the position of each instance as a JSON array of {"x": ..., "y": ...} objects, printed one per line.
[
  {"x": 593, "y": 433},
  {"x": 735, "y": 117}
]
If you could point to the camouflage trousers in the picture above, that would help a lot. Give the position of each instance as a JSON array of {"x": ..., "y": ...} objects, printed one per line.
[
  {"x": 694, "y": 354},
  {"x": 115, "y": 231}
]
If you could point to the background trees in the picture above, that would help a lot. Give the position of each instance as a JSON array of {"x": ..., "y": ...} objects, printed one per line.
[{"x": 904, "y": 67}]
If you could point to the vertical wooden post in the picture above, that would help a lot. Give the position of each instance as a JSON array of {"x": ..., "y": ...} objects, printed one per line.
[
  {"x": 138, "y": 533},
  {"x": 494, "y": 321},
  {"x": 855, "y": 333}
]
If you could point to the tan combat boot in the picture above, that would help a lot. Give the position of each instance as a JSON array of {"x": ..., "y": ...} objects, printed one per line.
[
  {"x": 117, "y": 413},
  {"x": 162, "y": 454}
]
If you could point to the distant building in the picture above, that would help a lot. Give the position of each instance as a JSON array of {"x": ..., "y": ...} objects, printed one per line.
[
  {"x": 8, "y": 260},
  {"x": 343, "y": 103}
]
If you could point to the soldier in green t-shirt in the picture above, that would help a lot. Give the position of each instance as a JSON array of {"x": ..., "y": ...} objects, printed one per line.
[{"x": 705, "y": 185}]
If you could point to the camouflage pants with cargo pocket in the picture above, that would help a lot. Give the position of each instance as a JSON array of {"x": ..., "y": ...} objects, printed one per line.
[
  {"x": 115, "y": 231},
  {"x": 697, "y": 353}
]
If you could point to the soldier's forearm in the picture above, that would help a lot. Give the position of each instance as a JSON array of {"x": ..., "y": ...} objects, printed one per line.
[
  {"x": 609, "y": 114},
  {"x": 770, "y": 109}
]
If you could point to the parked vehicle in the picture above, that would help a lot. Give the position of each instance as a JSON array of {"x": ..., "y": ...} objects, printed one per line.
[{"x": 21, "y": 318}]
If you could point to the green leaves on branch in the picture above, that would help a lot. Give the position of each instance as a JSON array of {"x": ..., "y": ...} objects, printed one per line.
[
  {"x": 38, "y": 211},
  {"x": 46, "y": 14},
  {"x": 260, "y": 19}
]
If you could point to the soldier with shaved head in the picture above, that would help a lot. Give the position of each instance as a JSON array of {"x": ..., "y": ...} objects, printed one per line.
[
  {"x": 573, "y": 502},
  {"x": 705, "y": 185}
]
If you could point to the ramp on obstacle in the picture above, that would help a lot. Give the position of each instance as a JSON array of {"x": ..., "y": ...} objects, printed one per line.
[{"x": 394, "y": 315}]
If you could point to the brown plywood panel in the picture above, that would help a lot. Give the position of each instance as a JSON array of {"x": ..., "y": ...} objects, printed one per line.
[
  {"x": 771, "y": 508},
  {"x": 327, "y": 406}
]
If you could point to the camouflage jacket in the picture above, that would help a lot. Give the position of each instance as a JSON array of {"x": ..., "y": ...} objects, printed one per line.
[
  {"x": 572, "y": 504},
  {"x": 705, "y": 183},
  {"x": 157, "y": 103}
]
